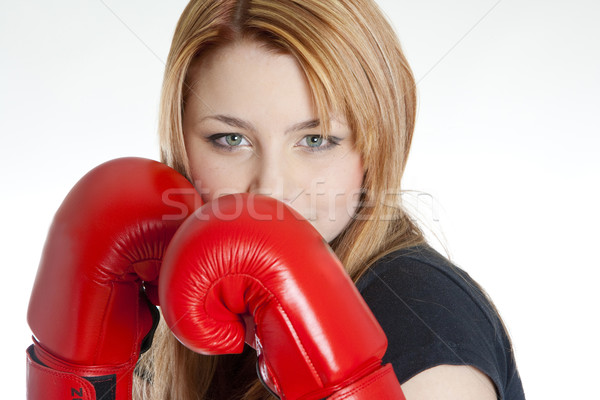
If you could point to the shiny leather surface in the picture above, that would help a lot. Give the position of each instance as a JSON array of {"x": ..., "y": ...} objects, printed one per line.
[
  {"x": 87, "y": 309},
  {"x": 248, "y": 255}
]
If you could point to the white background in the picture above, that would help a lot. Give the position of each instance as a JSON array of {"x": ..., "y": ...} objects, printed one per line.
[{"x": 507, "y": 145}]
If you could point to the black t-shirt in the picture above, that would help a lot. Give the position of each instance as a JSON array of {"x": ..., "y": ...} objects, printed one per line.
[{"x": 433, "y": 313}]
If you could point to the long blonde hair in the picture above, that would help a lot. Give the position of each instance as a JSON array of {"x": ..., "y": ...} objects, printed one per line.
[{"x": 354, "y": 65}]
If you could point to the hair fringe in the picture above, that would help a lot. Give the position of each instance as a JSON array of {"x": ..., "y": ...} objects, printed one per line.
[{"x": 355, "y": 67}]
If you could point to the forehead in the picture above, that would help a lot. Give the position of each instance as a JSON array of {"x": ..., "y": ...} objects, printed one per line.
[
  {"x": 249, "y": 81},
  {"x": 247, "y": 61},
  {"x": 247, "y": 71}
]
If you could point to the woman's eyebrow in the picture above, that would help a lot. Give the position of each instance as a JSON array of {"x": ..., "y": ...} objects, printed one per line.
[
  {"x": 310, "y": 124},
  {"x": 232, "y": 121},
  {"x": 242, "y": 124}
]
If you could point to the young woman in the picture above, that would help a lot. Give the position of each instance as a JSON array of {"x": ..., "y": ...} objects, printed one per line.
[
  {"x": 312, "y": 102},
  {"x": 309, "y": 102}
]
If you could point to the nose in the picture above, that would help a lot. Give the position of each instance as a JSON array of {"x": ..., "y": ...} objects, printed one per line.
[{"x": 272, "y": 177}]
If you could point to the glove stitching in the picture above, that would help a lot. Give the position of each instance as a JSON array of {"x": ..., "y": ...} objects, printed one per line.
[
  {"x": 65, "y": 376},
  {"x": 363, "y": 385}
]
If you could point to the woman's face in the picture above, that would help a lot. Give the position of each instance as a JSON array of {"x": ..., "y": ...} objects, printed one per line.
[{"x": 250, "y": 125}]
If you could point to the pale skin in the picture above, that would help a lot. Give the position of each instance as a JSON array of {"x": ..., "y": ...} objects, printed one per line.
[{"x": 250, "y": 125}]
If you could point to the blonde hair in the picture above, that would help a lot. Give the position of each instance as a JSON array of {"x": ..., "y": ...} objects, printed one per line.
[{"x": 354, "y": 65}]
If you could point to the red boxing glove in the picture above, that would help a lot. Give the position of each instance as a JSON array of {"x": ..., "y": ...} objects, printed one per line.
[
  {"x": 246, "y": 262},
  {"x": 89, "y": 309}
]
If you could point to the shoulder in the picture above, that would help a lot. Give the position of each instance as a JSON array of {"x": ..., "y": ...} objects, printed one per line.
[
  {"x": 417, "y": 288},
  {"x": 450, "y": 382},
  {"x": 434, "y": 314},
  {"x": 420, "y": 264}
]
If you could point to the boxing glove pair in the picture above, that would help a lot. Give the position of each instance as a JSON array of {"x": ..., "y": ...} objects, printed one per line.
[
  {"x": 92, "y": 308},
  {"x": 242, "y": 268}
]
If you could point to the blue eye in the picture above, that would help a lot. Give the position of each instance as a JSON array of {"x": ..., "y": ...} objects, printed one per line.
[
  {"x": 319, "y": 143},
  {"x": 314, "y": 140},
  {"x": 233, "y": 139},
  {"x": 227, "y": 141}
]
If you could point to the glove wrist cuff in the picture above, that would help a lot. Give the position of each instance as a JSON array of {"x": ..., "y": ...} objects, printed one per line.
[
  {"x": 381, "y": 384},
  {"x": 44, "y": 383},
  {"x": 50, "y": 378}
]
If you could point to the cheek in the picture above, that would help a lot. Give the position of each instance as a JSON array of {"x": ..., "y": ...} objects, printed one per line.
[
  {"x": 348, "y": 199},
  {"x": 348, "y": 178},
  {"x": 338, "y": 200},
  {"x": 213, "y": 177}
]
